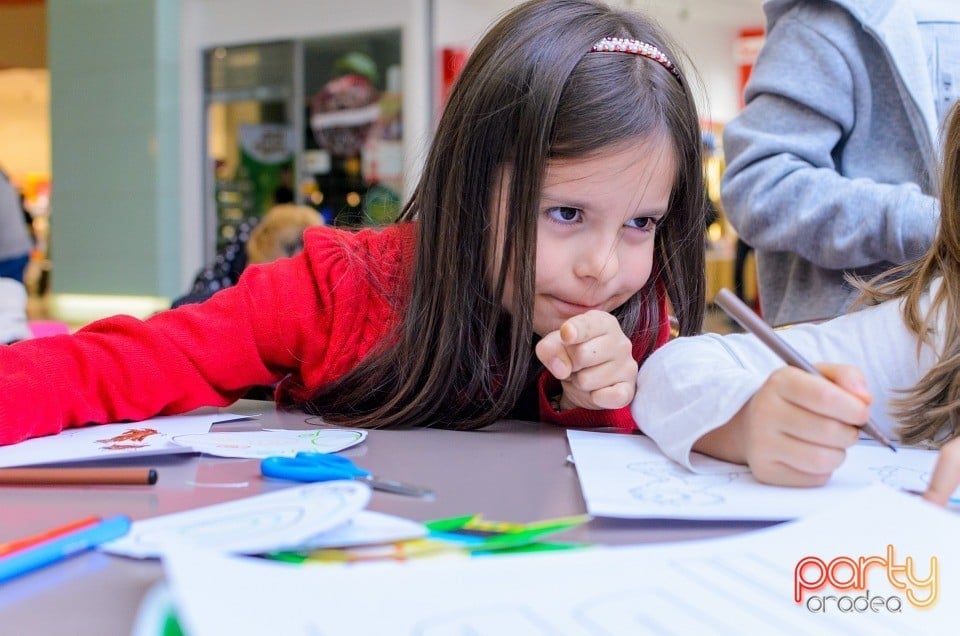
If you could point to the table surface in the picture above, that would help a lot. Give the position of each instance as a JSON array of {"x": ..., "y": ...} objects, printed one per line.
[{"x": 513, "y": 471}]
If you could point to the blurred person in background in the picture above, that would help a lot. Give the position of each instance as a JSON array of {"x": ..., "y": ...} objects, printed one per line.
[
  {"x": 15, "y": 241},
  {"x": 278, "y": 234},
  {"x": 832, "y": 163},
  {"x": 13, "y": 311}
]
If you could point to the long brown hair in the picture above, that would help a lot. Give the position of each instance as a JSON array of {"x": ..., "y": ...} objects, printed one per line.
[
  {"x": 929, "y": 411},
  {"x": 530, "y": 92}
]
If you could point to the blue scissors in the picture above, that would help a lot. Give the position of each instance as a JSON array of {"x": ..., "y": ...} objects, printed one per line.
[{"x": 309, "y": 467}]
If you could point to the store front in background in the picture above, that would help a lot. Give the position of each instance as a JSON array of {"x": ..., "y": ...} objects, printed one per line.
[{"x": 313, "y": 121}]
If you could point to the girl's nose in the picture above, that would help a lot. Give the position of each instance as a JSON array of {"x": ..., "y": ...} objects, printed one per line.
[{"x": 598, "y": 261}]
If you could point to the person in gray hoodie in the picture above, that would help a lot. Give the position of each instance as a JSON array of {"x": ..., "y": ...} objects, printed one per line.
[
  {"x": 15, "y": 241},
  {"x": 831, "y": 165}
]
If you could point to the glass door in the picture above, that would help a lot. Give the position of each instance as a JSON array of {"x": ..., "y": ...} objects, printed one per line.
[
  {"x": 251, "y": 133},
  {"x": 353, "y": 132}
]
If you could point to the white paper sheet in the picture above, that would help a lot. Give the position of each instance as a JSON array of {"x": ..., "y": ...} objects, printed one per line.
[
  {"x": 627, "y": 476},
  {"x": 276, "y": 521},
  {"x": 149, "y": 437},
  {"x": 269, "y": 442},
  {"x": 365, "y": 528},
  {"x": 744, "y": 585}
]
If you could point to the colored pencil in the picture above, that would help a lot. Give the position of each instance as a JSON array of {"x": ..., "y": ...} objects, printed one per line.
[
  {"x": 19, "y": 544},
  {"x": 63, "y": 547},
  {"x": 78, "y": 476}
]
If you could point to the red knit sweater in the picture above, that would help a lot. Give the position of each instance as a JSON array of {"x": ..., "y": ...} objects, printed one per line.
[{"x": 301, "y": 322}]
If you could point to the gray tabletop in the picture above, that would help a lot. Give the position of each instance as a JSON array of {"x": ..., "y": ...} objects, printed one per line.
[{"x": 513, "y": 471}]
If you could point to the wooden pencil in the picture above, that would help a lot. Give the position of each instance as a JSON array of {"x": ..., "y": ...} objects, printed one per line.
[{"x": 78, "y": 476}]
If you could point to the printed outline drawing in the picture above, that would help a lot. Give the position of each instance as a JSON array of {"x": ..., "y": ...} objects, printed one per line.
[
  {"x": 261, "y": 441},
  {"x": 901, "y": 477},
  {"x": 673, "y": 485}
]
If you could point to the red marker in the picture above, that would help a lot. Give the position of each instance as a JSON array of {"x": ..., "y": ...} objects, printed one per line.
[{"x": 21, "y": 544}]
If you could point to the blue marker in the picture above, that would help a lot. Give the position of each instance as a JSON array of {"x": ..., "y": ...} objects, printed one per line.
[{"x": 58, "y": 549}]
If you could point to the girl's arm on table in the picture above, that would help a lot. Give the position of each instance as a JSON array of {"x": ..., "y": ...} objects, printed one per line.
[{"x": 125, "y": 369}]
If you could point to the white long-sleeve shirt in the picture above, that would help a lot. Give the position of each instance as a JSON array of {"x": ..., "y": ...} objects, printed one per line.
[{"x": 693, "y": 385}]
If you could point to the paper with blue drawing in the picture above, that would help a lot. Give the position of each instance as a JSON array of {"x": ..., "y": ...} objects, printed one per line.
[
  {"x": 301, "y": 518},
  {"x": 627, "y": 476}
]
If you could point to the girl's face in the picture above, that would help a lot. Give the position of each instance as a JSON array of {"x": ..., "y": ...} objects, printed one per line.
[{"x": 595, "y": 229}]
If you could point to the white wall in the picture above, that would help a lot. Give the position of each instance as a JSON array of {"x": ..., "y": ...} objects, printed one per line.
[{"x": 705, "y": 29}]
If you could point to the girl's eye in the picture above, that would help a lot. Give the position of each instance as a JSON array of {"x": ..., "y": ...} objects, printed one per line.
[
  {"x": 564, "y": 215},
  {"x": 645, "y": 223}
]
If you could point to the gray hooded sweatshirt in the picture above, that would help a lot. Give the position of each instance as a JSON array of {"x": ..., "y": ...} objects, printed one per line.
[
  {"x": 831, "y": 166},
  {"x": 14, "y": 240}
]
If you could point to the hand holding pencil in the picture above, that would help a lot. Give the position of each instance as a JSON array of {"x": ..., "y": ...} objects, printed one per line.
[{"x": 795, "y": 430}]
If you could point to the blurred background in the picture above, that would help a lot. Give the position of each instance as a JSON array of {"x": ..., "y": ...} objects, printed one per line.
[{"x": 142, "y": 133}]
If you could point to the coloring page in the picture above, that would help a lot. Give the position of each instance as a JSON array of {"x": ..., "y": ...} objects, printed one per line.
[
  {"x": 270, "y": 443},
  {"x": 149, "y": 437},
  {"x": 744, "y": 584},
  {"x": 628, "y": 476},
  {"x": 280, "y": 520}
]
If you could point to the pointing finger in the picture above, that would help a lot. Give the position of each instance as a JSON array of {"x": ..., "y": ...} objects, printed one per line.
[
  {"x": 946, "y": 474},
  {"x": 588, "y": 326},
  {"x": 551, "y": 352}
]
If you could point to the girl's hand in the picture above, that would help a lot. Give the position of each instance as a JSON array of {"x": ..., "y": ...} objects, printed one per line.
[
  {"x": 795, "y": 430},
  {"x": 946, "y": 474},
  {"x": 593, "y": 360}
]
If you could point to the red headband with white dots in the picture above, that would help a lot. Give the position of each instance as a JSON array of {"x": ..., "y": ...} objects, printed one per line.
[{"x": 636, "y": 47}]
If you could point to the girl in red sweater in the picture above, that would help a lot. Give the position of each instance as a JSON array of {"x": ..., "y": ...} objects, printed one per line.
[{"x": 560, "y": 209}]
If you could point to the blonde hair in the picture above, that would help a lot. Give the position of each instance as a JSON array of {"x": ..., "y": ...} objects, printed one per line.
[
  {"x": 280, "y": 232},
  {"x": 929, "y": 411}
]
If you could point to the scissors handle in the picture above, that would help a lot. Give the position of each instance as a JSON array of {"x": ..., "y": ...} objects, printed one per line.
[
  {"x": 309, "y": 467},
  {"x": 306, "y": 469}
]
